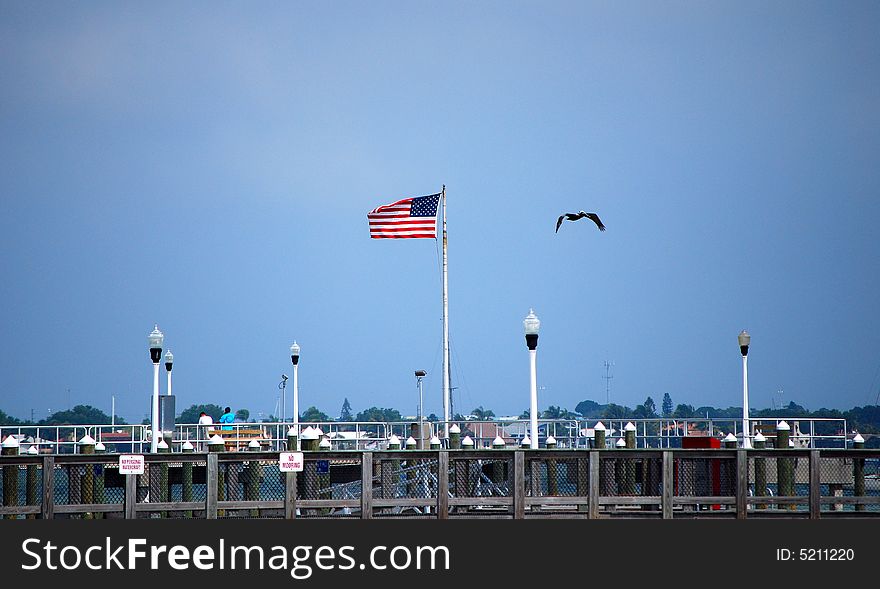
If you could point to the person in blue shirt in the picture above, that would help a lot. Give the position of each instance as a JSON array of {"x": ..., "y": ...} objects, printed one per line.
[{"x": 227, "y": 417}]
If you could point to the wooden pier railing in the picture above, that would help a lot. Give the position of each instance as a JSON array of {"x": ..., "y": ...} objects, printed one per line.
[{"x": 450, "y": 484}]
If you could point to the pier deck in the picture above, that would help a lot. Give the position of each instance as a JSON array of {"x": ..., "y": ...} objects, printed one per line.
[{"x": 450, "y": 484}]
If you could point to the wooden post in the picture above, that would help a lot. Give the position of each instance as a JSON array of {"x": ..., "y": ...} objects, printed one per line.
[
  {"x": 619, "y": 469},
  {"x": 47, "y": 510},
  {"x": 252, "y": 492},
  {"x": 324, "y": 477},
  {"x": 442, "y": 484},
  {"x": 630, "y": 483},
  {"x": 309, "y": 440},
  {"x": 87, "y": 482},
  {"x": 760, "y": 469},
  {"x": 100, "y": 491},
  {"x": 552, "y": 475},
  {"x": 599, "y": 436},
  {"x": 212, "y": 479},
  {"x": 454, "y": 437},
  {"x": 289, "y": 495},
  {"x": 815, "y": 501},
  {"x": 131, "y": 496},
  {"x": 186, "y": 493},
  {"x": 292, "y": 442},
  {"x": 10, "y": 475},
  {"x": 467, "y": 443},
  {"x": 668, "y": 487},
  {"x": 595, "y": 463},
  {"x": 31, "y": 483},
  {"x": 727, "y": 471},
  {"x": 366, "y": 485},
  {"x": 498, "y": 464},
  {"x": 519, "y": 485},
  {"x": 534, "y": 478},
  {"x": 411, "y": 475},
  {"x": 742, "y": 484},
  {"x": 859, "y": 472},
  {"x": 599, "y": 443},
  {"x": 459, "y": 468},
  {"x": 164, "y": 478},
  {"x": 215, "y": 478},
  {"x": 390, "y": 473},
  {"x": 784, "y": 465}
]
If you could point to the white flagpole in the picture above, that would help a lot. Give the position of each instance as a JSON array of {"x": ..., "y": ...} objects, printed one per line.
[{"x": 445, "y": 325}]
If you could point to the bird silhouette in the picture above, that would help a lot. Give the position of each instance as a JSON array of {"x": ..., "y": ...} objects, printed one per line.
[{"x": 580, "y": 215}]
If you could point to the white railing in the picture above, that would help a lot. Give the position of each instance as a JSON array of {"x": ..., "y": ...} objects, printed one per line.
[{"x": 569, "y": 433}]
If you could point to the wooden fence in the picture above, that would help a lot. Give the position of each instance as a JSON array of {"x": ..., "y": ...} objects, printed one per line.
[{"x": 450, "y": 484}]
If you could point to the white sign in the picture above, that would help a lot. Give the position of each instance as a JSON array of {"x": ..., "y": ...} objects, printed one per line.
[
  {"x": 290, "y": 462},
  {"x": 131, "y": 464}
]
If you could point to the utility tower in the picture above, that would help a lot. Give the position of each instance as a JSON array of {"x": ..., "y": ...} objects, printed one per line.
[{"x": 608, "y": 376}]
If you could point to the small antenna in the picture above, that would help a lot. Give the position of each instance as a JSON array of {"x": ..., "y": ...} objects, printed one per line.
[
  {"x": 608, "y": 376},
  {"x": 777, "y": 398}
]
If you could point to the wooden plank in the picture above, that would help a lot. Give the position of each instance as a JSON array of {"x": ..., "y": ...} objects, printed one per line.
[
  {"x": 667, "y": 485},
  {"x": 572, "y": 514},
  {"x": 443, "y": 485},
  {"x": 21, "y": 510},
  {"x": 594, "y": 485},
  {"x": 630, "y": 500},
  {"x": 815, "y": 491},
  {"x": 479, "y": 516},
  {"x": 130, "y": 496},
  {"x": 403, "y": 502},
  {"x": 481, "y": 501},
  {"x": 865, "y": 500},
  {"x": 367, "y": 485},
  {"x": 742, "y": 484},
  {"x": 90, "y": 507},
  {"x": 171, "y": 506},
  {"x": 48, "y": 507},
  {"x": 780, "y": 500},
  {"x": 211, "y": 479},
  {"x": 241, "y": 505},
  {"x": 290, "y": 495},
  {"x": 851, "y": 515},
  {"x": 519, "y": 485},
  {"x": 325, "y": 503},
  {"x": 705, "y": 500},
  {"x": 554, "y": 501}
]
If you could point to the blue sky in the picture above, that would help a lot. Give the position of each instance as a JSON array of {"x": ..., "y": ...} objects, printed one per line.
[{"x": 209, "y": 166}]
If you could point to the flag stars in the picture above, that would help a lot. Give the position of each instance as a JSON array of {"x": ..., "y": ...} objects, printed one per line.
[{"x": 425, "y": 206}]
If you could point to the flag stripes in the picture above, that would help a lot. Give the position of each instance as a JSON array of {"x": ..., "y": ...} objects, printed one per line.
[{"x": 407, "y": 218}]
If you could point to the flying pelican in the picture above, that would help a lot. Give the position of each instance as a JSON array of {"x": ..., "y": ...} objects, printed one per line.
[{"x": 580, "y": 215}]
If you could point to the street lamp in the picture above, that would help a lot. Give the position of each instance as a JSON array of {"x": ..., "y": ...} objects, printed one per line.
[
  {"x": 744, "y": 340},
  {"x": 294, "y": 358},
  {"x": 169, "y": 361},
  {"x": 420, "y": 374},
  {"x": 155, "y": 339},
  {"x": 531, "y": 324}
]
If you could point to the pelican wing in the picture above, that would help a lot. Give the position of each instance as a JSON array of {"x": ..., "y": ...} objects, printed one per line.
[{"x": 595, "y": 219}]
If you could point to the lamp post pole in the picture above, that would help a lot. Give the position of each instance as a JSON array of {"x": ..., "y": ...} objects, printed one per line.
[
  {"x": 420, "y": 374},
  {"x": 744, "y": 340},
  {"x": 294, "y": 358},
  {"x": 155, "y": 338},
  {"x": 169, "y": 361},
  {"x": 283, "y": 386},
  {"x": 531, "y": 324}
]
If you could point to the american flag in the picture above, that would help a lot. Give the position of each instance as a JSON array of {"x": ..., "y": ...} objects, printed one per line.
[{"x": 407, "y": 218}]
